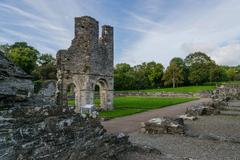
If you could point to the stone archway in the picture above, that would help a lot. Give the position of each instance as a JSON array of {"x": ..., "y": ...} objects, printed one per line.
[{"x": 105, "y": 100}]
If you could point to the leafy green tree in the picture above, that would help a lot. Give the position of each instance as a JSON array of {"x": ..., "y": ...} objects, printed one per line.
[
  {"x": 175, "y": 73},
  {"x": 217, "y": 74},
  {"x": 238, "y": 68},
  {"x": 199, "y": 65},
  {"x": 46, "y": 69},
  {"x": 46, "y": 59},
  {"x": 23, "y": 55},
  {"x": 231, "y": 74},
  {"x": 123, "y": 77},
  {"x": 122, "y": 68},
  {"x": 237, "y": 76},
  {"x": 145, "y": 75},
  {"x": 154, "y": 72},
  {"x": 141, "y": 80},
  {"x": 148, "y": 75}
]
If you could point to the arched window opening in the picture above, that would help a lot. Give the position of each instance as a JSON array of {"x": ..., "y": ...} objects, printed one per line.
[
  {"x": 96, "y": 99},
  {"x": 100, "y": 93},
  {"x": 71, "y": 94}
]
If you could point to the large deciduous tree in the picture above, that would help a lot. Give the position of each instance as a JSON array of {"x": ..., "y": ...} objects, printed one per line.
[
  {"x": 199, "y": 65},
  {"x": 154, "y": 72},
  {"x": 175, "y": 73},
  {"x": 22, "y": 54}
]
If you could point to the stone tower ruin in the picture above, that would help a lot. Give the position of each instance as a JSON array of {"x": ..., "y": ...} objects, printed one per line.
[{"x": 86, "y": 63}]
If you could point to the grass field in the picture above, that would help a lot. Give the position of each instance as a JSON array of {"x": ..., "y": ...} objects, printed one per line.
[
  {"x": 124, "y": 106},
  {"x": 192, "y": 89}
]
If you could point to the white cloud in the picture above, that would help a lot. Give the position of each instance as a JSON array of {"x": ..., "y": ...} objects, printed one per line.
[
  {"x": 46, "y": 24},
  {"x": 35, "y": 28},
  {"x": 228, "y": 54},
  {"x": 195, "y": 28},
  {"x": 3, "y": 40},
  {"x": 195, "y": 47},
  {"x": 144, "y": 30},
  {"x": 19, "y": 11}
]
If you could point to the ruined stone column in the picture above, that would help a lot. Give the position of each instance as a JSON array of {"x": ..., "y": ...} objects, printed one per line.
[
  {"x": 107, "y": 42},
  {"x": 87, "y": 60}
]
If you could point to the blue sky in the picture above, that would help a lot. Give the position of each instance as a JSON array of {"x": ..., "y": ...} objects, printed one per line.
[{"x": 145, "y": 30}]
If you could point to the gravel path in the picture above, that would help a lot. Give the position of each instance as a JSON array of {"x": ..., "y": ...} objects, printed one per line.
[
  {"x": 131, "y": 123},
  {"x": 182, "y": 147},
  {"x": 208, "y": 138},
  {"x": 219, "y": 127}
]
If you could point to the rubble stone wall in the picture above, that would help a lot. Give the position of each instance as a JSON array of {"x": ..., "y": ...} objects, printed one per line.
[{"x": 42, "y": 133}]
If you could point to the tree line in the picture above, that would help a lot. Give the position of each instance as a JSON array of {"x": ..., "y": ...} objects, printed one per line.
[{"x": 195, "y": 69}]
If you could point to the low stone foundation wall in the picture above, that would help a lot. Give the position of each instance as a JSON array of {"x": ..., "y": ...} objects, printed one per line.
[{"x": 206, "y": 94}]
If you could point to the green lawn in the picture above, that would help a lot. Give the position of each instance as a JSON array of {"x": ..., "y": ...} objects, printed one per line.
[
  {"x": 192, "y": 89},
  {"x": 124, "y": 106}
]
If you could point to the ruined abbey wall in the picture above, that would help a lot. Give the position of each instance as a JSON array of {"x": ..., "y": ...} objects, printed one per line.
[
  {"x": 86, "y": 63},
  {"x": 32, "y": 127}
]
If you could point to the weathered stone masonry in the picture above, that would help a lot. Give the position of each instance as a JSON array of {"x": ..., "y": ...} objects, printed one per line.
[
  {"x": 32, "y": 127},
  {"x": 86, "y": 63},
  {"x": 15, "y": 84}
]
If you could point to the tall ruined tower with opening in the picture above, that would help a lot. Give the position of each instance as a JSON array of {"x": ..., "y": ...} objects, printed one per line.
[{"x": 86, "y": 63}]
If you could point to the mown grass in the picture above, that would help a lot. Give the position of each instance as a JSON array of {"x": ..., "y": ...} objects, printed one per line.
[
  {"x": 124, "y": 106},
  {"x": 188, "y": 89}
]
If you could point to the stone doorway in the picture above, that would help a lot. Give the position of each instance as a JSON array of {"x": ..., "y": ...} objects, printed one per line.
[{"x": 101, "y": 93}]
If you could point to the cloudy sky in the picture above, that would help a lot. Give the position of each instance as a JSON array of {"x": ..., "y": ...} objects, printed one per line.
[{"x": 145, "y": 30}]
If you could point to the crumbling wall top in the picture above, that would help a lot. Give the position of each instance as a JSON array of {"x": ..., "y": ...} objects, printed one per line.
[{"x": 86, "y": 26}]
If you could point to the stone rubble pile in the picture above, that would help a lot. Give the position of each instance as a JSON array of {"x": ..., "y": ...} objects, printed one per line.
[
  {"x": 164, "y": 125},
  {"x": 202, "y": 109},
  {"x": 227, "y": 92},
  {"x": 224, "y": 96},
  {"x": 219, "y": 104}
]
